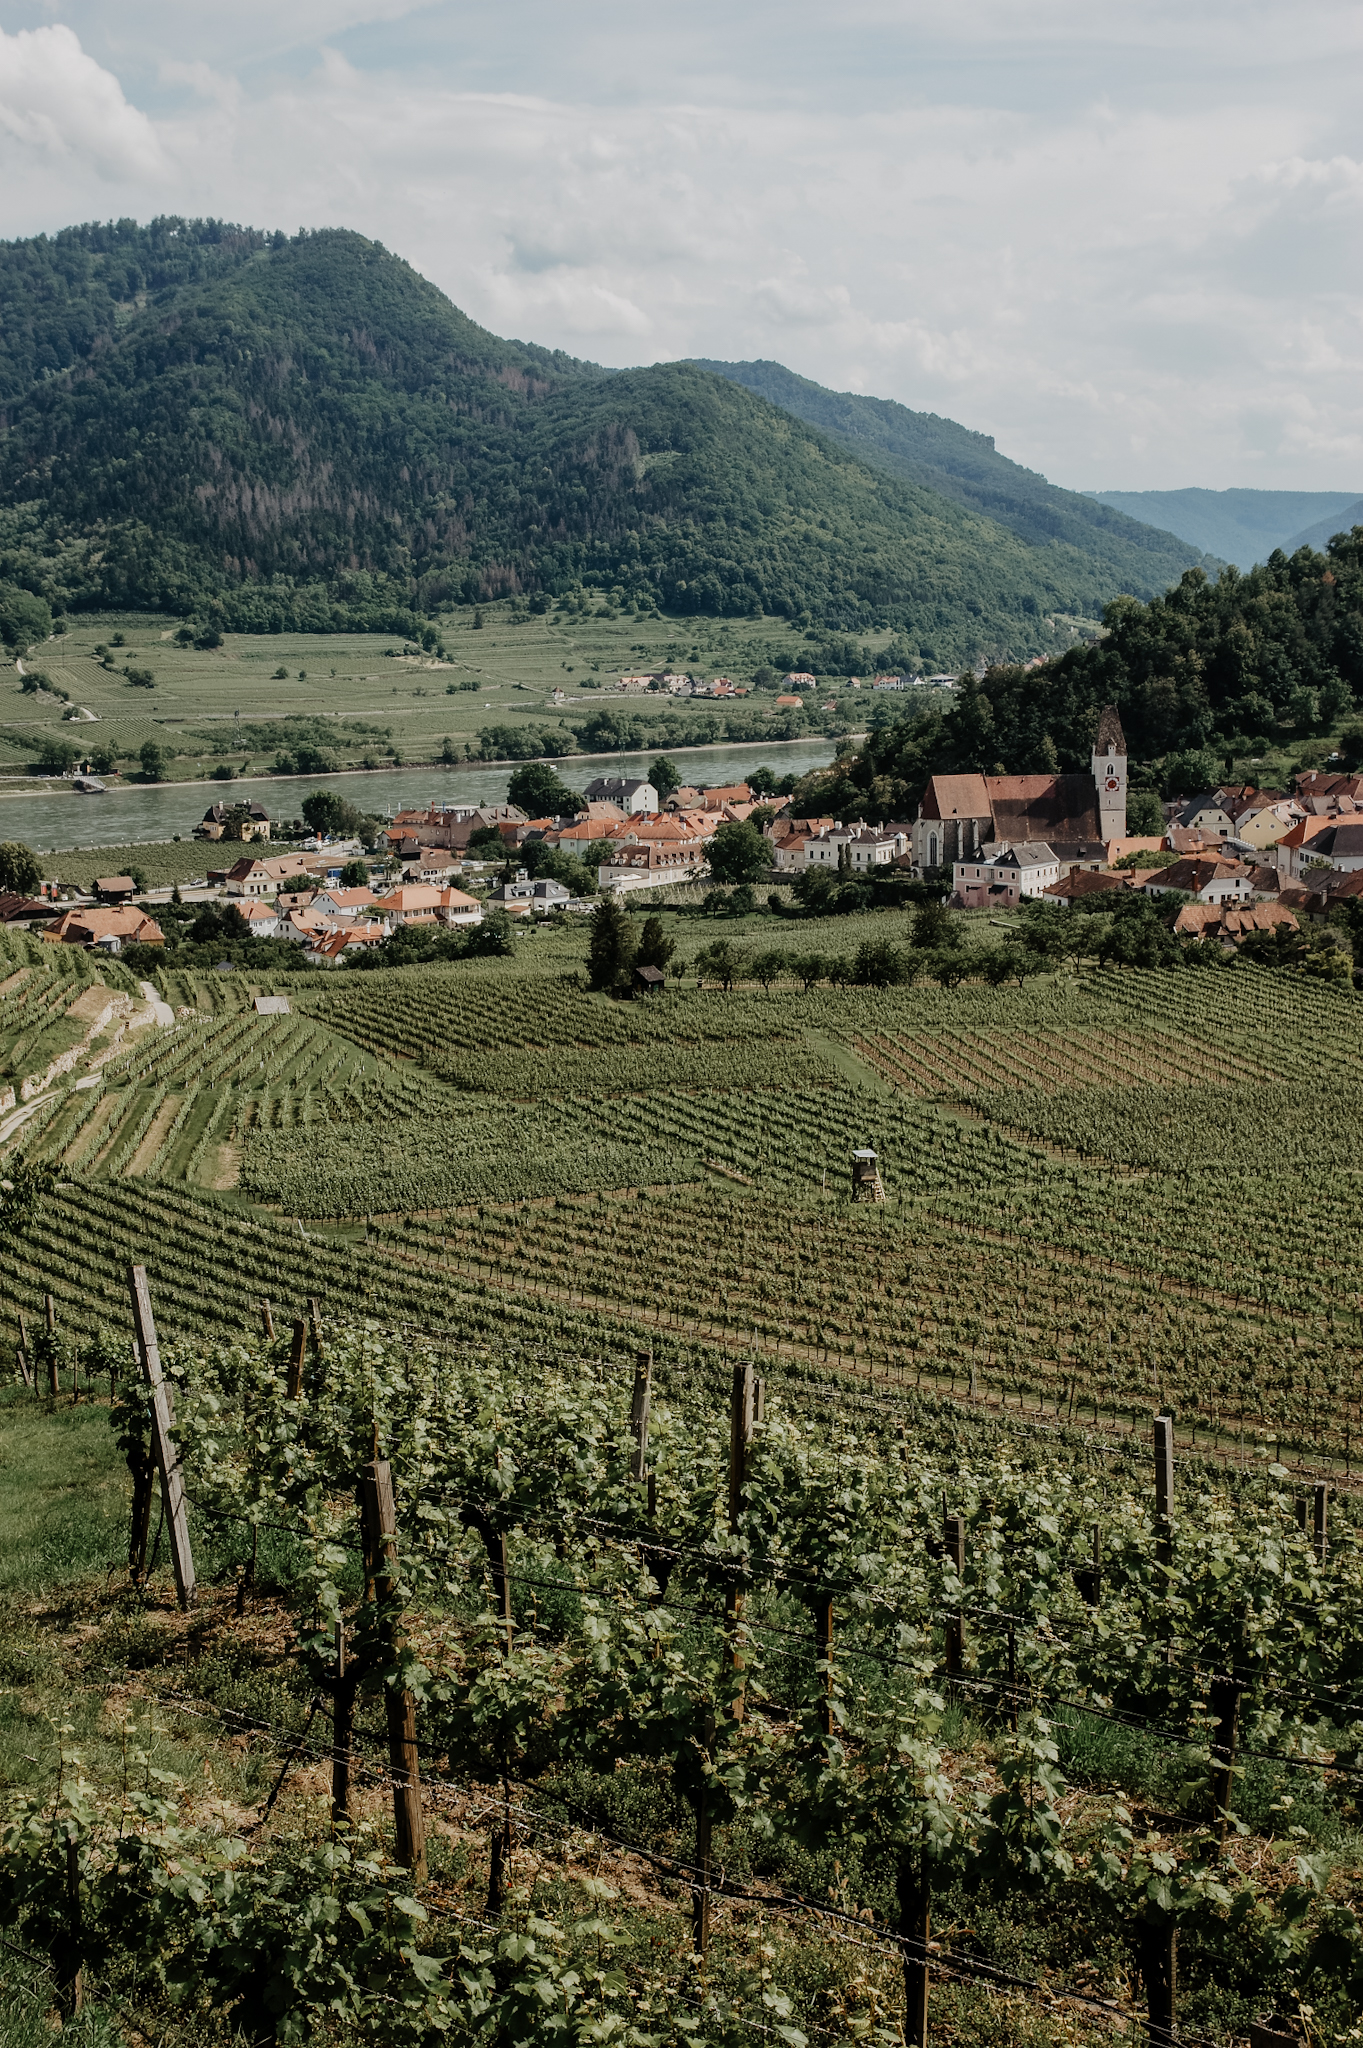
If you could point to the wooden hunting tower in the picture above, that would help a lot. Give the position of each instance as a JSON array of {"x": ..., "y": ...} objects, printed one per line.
[{"x": 867, "y": 1185}]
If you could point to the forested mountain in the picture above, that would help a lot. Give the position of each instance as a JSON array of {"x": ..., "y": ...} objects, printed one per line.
[
  {"x": 1324, "y": 530},
  {"x": 1241, "y": 526},
  {"x": 1129, "y": 553},
  {"x": 1208, "y": 669},
  {"x": 266, "y": 431}
]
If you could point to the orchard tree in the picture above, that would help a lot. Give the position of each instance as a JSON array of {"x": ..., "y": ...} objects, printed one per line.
[
  {"x": 769, "y": 966},
  {"x": 153, "y": 759}
]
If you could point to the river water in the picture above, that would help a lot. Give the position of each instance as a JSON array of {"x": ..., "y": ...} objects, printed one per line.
[{"x": 52, "y": 818}]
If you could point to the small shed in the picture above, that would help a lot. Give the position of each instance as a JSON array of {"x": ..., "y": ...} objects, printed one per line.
[
  {"x": 867, "y": 1185},
  {"x": 649, "y": 981},
  {"x": 115, "y": 888}
]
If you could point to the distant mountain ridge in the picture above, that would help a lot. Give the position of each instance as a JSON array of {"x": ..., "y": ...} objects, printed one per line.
[
  {"x": 966, "y": 467},
  {"x": 271, "y": 431},
  {"x": 1241, "y": 526},
  {"x": 1323, "y": 532}
]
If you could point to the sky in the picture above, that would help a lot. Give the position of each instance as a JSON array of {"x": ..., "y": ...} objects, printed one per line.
[{"x": 1122, "y": 236}]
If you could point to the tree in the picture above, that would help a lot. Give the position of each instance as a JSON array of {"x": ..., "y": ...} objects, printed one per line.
[
  {"x": 878, "y": 964},
  {"x": 612, "y": 944},
  {"x": 717, "y": 962},
  {"x": 933, "y": 928},
  {"x": 21, "y": 1189},
  {"x": 153, "y": 759},
  {"x": 493, "y": 938},
  {"x": 486, "y": 841},
  {"x": 24, "y": 618},
  {"x": 220, "y": 924},
  {"x": 1144, "y": 814},
  {"x": 655, "y": 948},
  {"x": 665, "y": 777},
  {"x": 768, "y": 966},
  {"x": 20, "y": 873},
  {"x": 332, "y": 817},
  {"x": 56, "y": 757},
  {"x": 809, "y": 968},
  {"x": 1041, "y": 928},
  {"x": 738, "y": 853},
  {"x": 762, "y": 782},
  {"x": 354, "y": 875},
  {"x": 536, "y": 789},
  {"x": 948, "y": 965}
]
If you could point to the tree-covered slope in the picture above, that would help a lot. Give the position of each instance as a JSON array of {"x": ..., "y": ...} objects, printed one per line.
[
  {"x": 1210, "y": 669},
  {"x": 1124, "y": 554},
  {"x": 273, "y": 431}
]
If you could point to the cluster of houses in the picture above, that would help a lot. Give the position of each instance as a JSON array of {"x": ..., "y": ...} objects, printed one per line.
[
  {"x": 646, "y": 843},
  {"x": 1249, "y": 858},
  {"x": 680, "y": 686}
]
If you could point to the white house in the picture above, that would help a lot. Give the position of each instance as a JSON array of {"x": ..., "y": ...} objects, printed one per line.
[
  {"x": 262, "y": 918},
  {"x": 631, "y": 794},
  {"x": 868, "y": 846},
  {"x": 1009, "y": 875},
  {"x": 343, "y": 902},
  {"x": 1208, "y": 880}
]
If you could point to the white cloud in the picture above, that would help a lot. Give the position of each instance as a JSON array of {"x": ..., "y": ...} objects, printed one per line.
[
  {"x": 56, "y": 100},
  {"x": 1122, "y": 237}
]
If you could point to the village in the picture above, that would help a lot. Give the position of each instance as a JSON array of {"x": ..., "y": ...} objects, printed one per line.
[{"x": 1238, "y": 858}]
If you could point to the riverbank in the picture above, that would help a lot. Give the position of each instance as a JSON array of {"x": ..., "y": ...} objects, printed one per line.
[{"x": 53, "y": 818}]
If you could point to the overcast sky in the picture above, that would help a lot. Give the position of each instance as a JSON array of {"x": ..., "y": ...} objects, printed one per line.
[{"x": 1122, "y": 236}]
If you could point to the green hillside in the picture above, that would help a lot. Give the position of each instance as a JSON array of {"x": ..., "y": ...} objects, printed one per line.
[
  {"x": 270, "y": 432},
  {"x": 1129, "y": 553},
  {"x": 1251, "y": 677}
]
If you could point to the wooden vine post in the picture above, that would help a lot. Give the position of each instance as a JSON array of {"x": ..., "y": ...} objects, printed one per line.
[
  {"x": 342, "y": 1727},
  {"x": 915, "y": 1930},
  {"x": 1164, "y": 1489},
  {"x": 381, "y": 1541},
  {"x": 745, "y": 1413},
  {"x": 53, "y": 1386},
  {"x": 67, "y": 1948},
  {"x": 953, "y": 1546},
  {"x": 298, "y": 1351},
  {"x": 24, "y": 1354},
  {"x": 1159, "y": 1967},
  {"x": 823, "y": 1642},
  {"x": 266, "y": 1322},
  {"x": 163, "y": 1441},
  {"x": 638, "y": 1413},
  {"x": 1225, "y": 1714}
]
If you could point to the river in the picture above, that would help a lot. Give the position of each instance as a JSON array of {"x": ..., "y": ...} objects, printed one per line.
[{"x": 53, "y": 818}]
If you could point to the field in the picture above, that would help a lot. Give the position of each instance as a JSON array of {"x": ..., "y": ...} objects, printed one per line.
[
  {"x": 780, "y": 1724},
  {"x": 223, "y": 706}
]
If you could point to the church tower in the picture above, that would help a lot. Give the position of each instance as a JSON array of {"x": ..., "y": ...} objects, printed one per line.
[{"x": 1109, "y": 775}]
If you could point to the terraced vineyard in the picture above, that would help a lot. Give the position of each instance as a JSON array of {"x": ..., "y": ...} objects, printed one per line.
[
  {"x": 1056, "y": 1161},
  {"x": 1106, "y": 1197}
]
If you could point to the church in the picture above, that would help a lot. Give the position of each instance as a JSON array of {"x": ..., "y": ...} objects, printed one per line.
[{"x": 968, "y": 817}]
